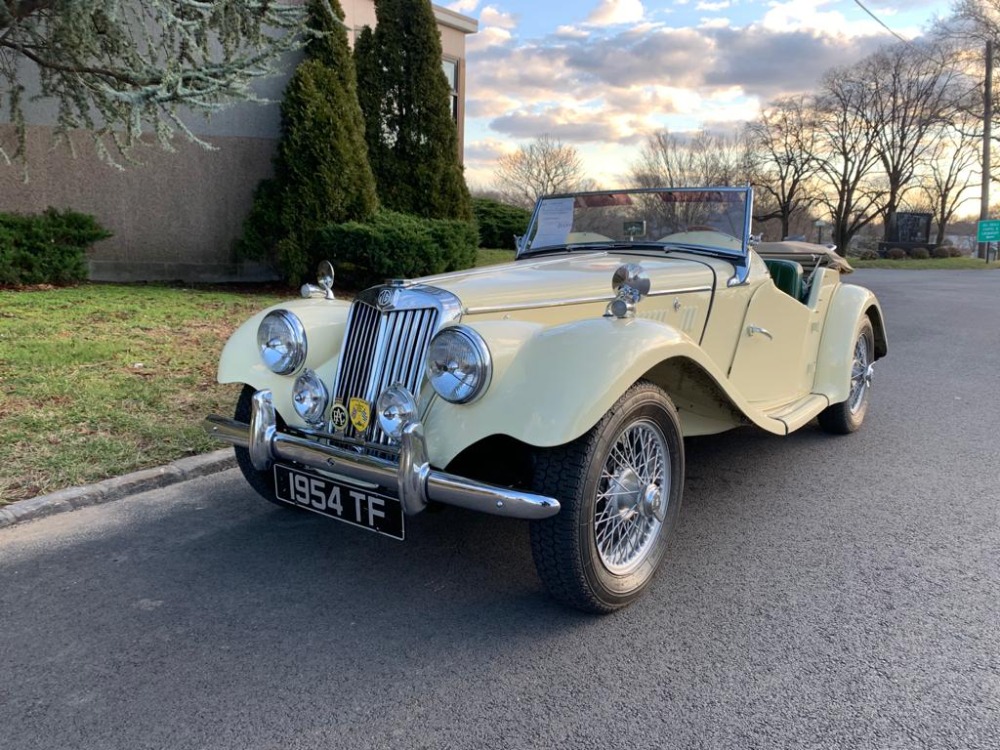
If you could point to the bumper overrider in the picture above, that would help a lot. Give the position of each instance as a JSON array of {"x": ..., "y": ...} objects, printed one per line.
[{"x": 412, "y": 480}]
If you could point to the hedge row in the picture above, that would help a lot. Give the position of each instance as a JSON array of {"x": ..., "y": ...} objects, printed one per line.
[
  {"x": 396, "y": 245},
  {"x": 499, "y": 223},
  {"x": 48, "y": 248}
]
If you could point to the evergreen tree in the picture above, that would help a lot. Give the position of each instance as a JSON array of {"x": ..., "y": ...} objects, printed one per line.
[
  {"x": 412, "y": 137},
  {"x": 121, "y": 68},
  {"x": 321, "y": 169},
  {"x": 370, "y": 88}
]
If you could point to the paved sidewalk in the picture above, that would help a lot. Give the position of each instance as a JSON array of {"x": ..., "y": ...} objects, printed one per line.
[{"x": 116, "y": 488}]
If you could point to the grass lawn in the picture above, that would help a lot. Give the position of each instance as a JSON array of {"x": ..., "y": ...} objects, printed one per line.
[
  {"x": 910, "y": 264},
  {"x": 485, "y": 257},
  {"x": 103, "y": 379}
]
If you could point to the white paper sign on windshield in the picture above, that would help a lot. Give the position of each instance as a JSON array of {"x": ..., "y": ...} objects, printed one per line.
[{"x": 555, "y": 222}]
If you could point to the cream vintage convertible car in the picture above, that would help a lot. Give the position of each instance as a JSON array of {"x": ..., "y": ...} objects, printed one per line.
[{"x": 557, "y": 388}]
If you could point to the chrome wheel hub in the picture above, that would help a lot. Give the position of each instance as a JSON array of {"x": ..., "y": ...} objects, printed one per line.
[
  {"x": 631, "y": 497},
  {"x": 862, "y": 370},
  {"x": 626, "y": 501}
]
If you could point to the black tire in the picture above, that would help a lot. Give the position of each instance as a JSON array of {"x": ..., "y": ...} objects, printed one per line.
[
  {"x": 566, "y": 547},
  {"x": 846, "y": 417},
  {"x": 261, "y": 481}
]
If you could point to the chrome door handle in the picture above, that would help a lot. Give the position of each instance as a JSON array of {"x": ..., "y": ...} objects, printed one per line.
[{"x": 753, "y": 330}]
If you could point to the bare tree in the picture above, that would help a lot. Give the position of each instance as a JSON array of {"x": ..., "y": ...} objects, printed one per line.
[
  {"x": 847, "y": 154},
  {"x": 668, "y": 159},
  {"x": 119, "y": 67},
  {"x": 664, "y": 160},
  {"x": 543, "y": 167},
  {"x": 783, "y": 145},
  {"x": 981, "y": 18},
  {"x": 950, "y": 172},
  {"x": 910, "y": 96}
]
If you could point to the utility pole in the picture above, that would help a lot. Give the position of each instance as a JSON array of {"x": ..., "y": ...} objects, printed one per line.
[{"x": 984, "y": 205}]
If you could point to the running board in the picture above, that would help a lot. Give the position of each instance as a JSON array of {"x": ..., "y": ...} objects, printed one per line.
[{"x": 799, "y": 413}]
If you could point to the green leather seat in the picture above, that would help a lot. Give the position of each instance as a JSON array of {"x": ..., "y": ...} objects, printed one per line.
[{"x": 787, "y": 276}]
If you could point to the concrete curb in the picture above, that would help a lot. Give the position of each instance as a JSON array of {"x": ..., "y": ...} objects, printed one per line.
[{"x": 117, "y": 487}]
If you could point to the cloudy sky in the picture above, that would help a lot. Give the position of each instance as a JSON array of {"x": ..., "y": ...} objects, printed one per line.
[{"x": 602, "y": 74}]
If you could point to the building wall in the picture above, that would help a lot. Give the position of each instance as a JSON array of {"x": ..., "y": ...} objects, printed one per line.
[{"x": 175, "y": 216}]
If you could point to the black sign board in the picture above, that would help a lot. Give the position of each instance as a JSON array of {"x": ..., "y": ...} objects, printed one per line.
[{"x": 912, "y": 227}]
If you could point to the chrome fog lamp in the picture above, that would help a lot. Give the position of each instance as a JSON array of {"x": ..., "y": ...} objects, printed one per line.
[
  {"x": 395, "y": 407},
  {"x": 309, "y": 397},
  {"x": 459, "y": 365},
  {"x": 281, "y": 339}
]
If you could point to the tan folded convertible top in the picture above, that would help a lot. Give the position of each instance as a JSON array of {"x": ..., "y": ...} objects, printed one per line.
[{"x": 808, "y": 254}]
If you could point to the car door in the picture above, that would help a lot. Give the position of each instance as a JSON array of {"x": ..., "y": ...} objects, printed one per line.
[{"x": 770, "y": 366}]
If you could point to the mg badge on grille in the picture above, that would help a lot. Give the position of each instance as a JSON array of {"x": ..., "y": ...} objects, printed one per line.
[
  {"x": 385, "y": 299},
  {"x": 339, "y": 417},
  {"x": 361, "y": 413}
]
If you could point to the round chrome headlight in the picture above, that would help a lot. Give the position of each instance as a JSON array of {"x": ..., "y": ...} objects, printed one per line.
[
  {"x": 309, "y": 397},
  {"x": 282, "y": 342},
  {"x": 459, "y": 365}
]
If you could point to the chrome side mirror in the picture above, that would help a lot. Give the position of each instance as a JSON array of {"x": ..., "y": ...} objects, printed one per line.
[{"x": 324, "y": 279}]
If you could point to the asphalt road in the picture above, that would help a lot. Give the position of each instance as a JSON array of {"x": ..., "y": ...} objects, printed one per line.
[{"x": 820, "y": 592}]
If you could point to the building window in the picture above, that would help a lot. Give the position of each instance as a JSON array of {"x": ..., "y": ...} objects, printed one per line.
[{"x": 451, "y": 73}]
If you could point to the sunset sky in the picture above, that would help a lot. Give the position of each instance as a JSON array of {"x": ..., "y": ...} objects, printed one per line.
[{"x": 602, "y": 74}]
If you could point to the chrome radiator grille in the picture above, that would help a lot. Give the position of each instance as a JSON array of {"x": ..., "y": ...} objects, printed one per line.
[{"x": 382, "y": 348}]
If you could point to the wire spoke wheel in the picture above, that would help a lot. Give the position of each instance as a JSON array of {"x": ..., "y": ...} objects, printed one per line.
[
  {"x": 861, "y": 373},
  {"x": 630, "y": 504},
  {"x": 846, "y": 416},
  {"x": 620, "y": 488}
]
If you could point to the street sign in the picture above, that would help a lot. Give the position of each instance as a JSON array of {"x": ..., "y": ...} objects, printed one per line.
[{"x": 988, "y": 230}]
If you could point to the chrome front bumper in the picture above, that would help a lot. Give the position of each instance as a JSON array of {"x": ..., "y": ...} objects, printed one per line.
[{"x": 412, "y": 480}]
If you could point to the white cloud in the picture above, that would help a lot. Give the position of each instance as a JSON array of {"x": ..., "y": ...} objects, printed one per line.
[
  {"x": 612, "y": 12},
  {"x": 605, "y": 89},
  {"x": 814, "y": 16},
  {"x": 710, "y": 6},
  {"x": 572, "y": 31},
  {"x": 463, "y": 6},
  {"x": 492, "y": 16},
  {"x": 495, "y": 27},
  {"x": 487, "y": 38}
]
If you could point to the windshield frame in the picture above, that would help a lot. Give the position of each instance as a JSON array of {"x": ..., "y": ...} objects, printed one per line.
[{"x": 739, "y": 257}]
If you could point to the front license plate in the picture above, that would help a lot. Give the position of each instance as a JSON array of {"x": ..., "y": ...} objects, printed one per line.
[{"x": 363, "y": 508}]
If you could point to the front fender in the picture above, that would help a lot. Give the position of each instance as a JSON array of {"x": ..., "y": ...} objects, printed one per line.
[
  {"x": 836, "y": 349},
  {"x": 324, "y": 322},
  {"x": 552, "y": 384}
]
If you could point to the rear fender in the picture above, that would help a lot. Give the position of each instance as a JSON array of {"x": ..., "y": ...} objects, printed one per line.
[{"x": 849, "y": 305}]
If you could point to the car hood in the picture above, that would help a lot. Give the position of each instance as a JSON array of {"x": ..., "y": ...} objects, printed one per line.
[{"x": 577, "y": 277}]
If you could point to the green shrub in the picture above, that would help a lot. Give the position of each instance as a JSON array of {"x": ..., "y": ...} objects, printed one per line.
[
  {"x": 920, "y": 253},
  {"x": 48, "y": 248},
  {"x": 395, "y": 245},
  {"x": 321, "y": 170},
  {"x": 954, "y": 252},
  {"x": 499, "y": 222},
  {"x": 896, "y": 253},
  {"x": 941, "y": 251}
]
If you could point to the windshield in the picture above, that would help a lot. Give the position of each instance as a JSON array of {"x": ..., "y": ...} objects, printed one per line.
[{"x": 716, "y": 219}]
